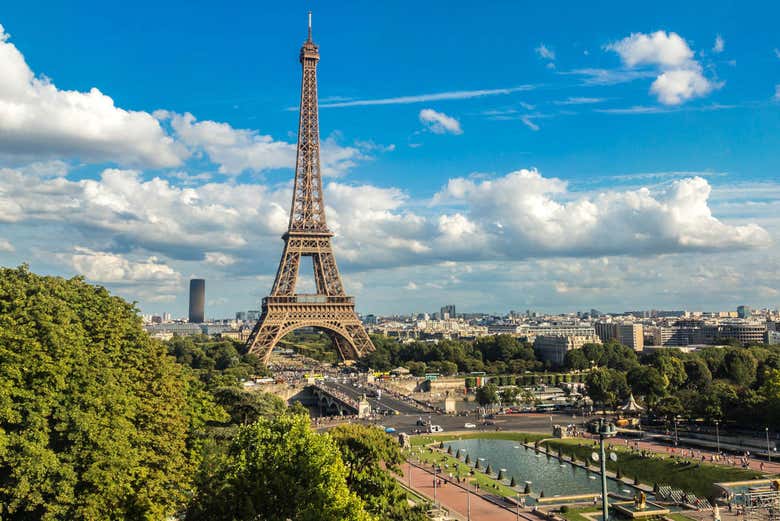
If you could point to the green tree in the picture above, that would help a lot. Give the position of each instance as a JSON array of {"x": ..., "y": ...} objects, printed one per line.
[
  {"x": 770, "y": 390},
  {"x": 671, "y": 367},
  {"x": 669, "y": 407},
  {"x": 279, "y": 469},
  {"x": 698, "y": 375},
  {"x": 741, "y": 366},
  {"x": 93, "y": 413},
  {"x": 370, "y": 455},
  {"x": 647, "y": 381},
  {"x": 246, "y": 407},
  {"x": 509, "y": 395},
  {"x": 487, "y": 394},
  {"x": 575, "y": 360}
]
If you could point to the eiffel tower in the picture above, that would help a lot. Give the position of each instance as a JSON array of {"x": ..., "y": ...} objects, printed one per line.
[{"x": 330, "y": 309}]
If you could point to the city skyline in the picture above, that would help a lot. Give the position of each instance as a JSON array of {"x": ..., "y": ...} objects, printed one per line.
[{"x": 627, "y": 165}]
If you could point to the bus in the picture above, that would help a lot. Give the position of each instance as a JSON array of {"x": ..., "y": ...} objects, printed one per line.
[{"x": 546, "y": 407}]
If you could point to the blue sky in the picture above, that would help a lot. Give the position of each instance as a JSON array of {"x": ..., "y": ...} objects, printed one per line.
[{"x": 554, "y": 157}]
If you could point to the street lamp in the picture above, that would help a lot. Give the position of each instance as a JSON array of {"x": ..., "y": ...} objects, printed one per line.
[
  {"x": 768, "y": 452},
  {"x": 605, "y": 430},
  {"x": 717, "y": 436},
  {"x": 676, "y": 437},
  {"x": 435, "y": 475},
  {"x": 468, "y": 500}
]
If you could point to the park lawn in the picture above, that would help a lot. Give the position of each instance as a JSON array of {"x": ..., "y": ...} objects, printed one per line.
[
  {"x": 663, "y": 470},
  {"x": 457, "y": 467},
  {"x": 575, "y": 513},
  {"x": 427, "y": 439},
  {"x": 675, "y": 516}
]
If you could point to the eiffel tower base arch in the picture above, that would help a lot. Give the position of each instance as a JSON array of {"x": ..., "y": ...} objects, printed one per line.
[{"x": 334, "y": 315}]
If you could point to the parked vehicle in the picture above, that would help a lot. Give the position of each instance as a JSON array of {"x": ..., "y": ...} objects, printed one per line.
[{"x": 470, "y": 426}]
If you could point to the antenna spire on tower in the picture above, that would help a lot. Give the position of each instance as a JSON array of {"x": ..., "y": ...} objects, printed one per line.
[{"x": 309, "y": 25}]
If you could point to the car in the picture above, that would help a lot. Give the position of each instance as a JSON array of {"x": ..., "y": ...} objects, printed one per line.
[
  {"x": 470, "y": 426},
  {"x": 435, "y": 428}
]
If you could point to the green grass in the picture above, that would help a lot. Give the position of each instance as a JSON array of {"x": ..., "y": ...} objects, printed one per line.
[
  {"x": 457, "y": 467},
  {"x": 575, "y": 513},
  {"x": 679, "y": 517},
  {"x": 690, "y": 477}
]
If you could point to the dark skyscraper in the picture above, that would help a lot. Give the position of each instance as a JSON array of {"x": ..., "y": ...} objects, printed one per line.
[{"x": 197, "y": 300}]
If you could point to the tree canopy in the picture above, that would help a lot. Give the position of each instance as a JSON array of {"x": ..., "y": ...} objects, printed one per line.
[
  {"x": 93, "y": 414},
  {"x": 279, "y": 469}
]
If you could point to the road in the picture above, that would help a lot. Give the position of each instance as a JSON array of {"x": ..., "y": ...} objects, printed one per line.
[
  {"x": 386, "y": 402},
  {"x": 527, "y": 422}
]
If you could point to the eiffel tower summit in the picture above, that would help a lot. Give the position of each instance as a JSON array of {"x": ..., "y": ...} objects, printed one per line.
[{"x": 330, "y": 309}]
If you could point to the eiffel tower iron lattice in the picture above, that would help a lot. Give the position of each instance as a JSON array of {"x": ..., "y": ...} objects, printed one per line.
[{"x": 330, "y": 309}]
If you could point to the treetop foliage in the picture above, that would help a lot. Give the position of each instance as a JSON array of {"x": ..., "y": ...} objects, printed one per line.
[{"x": 93, "y": 421}]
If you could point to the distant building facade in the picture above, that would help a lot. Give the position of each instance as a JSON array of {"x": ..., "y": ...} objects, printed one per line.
[
  {"x": 629, "y": 334},
  {"x": 553, "y": 348},
  {"x": 197, "y": 301}
]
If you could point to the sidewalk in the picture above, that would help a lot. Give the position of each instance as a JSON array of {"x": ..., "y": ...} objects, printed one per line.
[
  {"x": 453, "y": 497},
  {"x": 772, "y": 467}
]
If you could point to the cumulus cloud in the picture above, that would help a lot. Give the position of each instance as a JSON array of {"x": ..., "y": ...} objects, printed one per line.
[
  {"x": 241, "y": 150},
  {"x": 526, "y": 215},
  {"x": 108, "y": 267},
  {"x": 6, "y": 246},
  {"x": 680, "y": 77},
  {"x": 236, "y": 227},
  {"x": 219, "y": 259},
  {"x": 439, "y": 123},
  {"x": 39, "y": 120}
]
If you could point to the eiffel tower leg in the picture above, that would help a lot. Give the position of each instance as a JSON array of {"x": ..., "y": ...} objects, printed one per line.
[
  {"x": 344, "y": 347},
  {"x": 265, "y": 335}
]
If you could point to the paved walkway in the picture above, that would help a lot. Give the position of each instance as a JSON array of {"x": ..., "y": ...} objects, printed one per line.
[
  {"x": 772, "y": 467},
  {"x": 453, "y": 497}
]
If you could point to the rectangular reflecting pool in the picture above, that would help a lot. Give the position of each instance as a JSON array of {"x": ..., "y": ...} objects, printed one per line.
[{"x": 545, "y": 473}]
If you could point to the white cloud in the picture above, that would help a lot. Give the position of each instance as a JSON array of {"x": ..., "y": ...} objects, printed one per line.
[
  {"x": 39, "y": 120},
  {"x": 594, "y": 76},
  {"x": 668, "y": 50},
  {"x": 680, "y": 76},
  {"x": 139, "y": 234},
  {"x": 777, "y": 92},
  {"x": 422, "y": 98},
  {"x": 522, "y": 218},
  {"x": 6, "y": 246},
  {"x": 545, "y": 52},
  {"x": 719, "y": 44},
  {"x": 240, "y": 150},
  {"x": 234, "y": 150},
  {"x": 676, "y": 86},
  {"x": 108, "y": 267},
  {"x": 440, "y": 123},
  {"x": 529, "y": 123},
  {"x": 579, "y": 101},
  {"x": 219, "y": 259}
]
